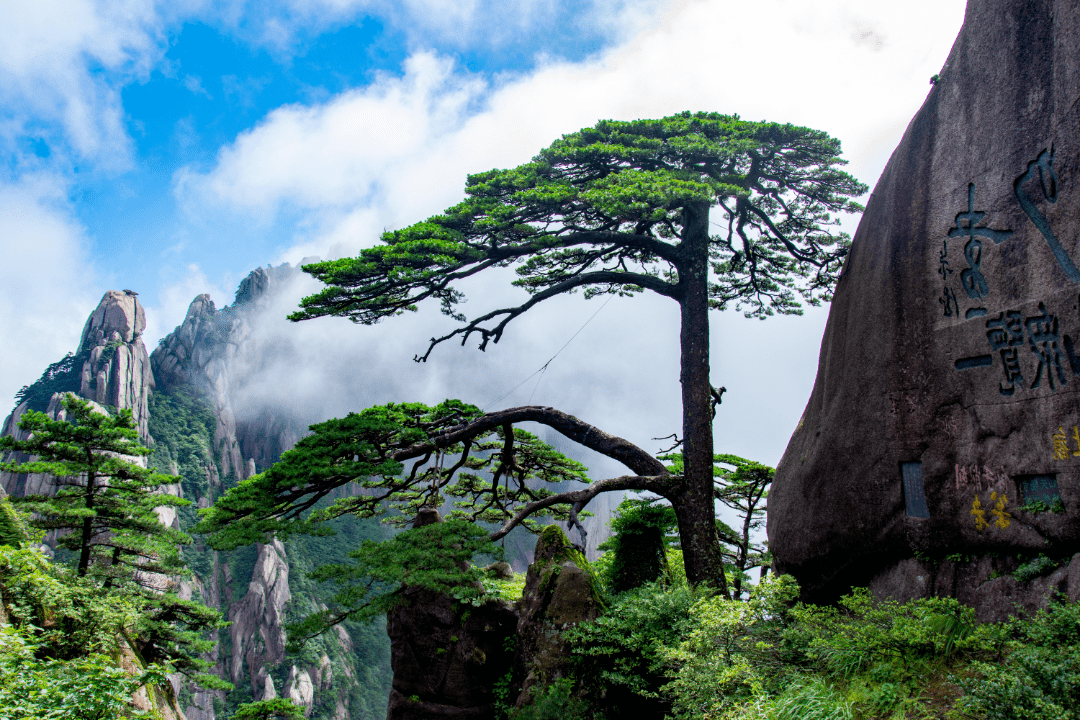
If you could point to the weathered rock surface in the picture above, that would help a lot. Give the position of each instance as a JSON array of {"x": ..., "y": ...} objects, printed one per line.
[
  {"x": 212, "y": 352},
  {"x": 560, "y": 592},
  {"x": 947, "y": 388},
  {"x": 257, "y": 631},
  {"x": 985, "y": 583},
  {"x": 117, "y": 371}
]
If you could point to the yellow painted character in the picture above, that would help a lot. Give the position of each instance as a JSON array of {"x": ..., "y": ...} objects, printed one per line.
[
  {"x": 980, "y": 515},
  {"x": 1003, "y": 518},
  {"x": 1061, "y": 445}
]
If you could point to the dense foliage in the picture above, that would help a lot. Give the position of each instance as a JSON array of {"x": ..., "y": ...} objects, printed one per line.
[
  {"x": 104, "y": 504},
  {"x": 436, "y": 557},
  {"x": 59, "y": 647},
  {"x": 102, "y": 501},
  {"x": 665, "y": 649}
]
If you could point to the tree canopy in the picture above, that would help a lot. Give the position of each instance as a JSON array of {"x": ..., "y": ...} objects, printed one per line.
[
  {"x": 405, "y": 456},
  {"x": 103, "y": 498},
  {"x": 620, "y": 208},
  {"x": 603, "y": 208}
]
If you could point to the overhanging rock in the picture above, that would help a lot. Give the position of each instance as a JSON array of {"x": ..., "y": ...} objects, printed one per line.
[{"x": 948, "y": 390}]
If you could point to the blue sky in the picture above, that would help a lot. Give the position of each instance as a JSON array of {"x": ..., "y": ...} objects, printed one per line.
[{"x": 170, "y": 148}]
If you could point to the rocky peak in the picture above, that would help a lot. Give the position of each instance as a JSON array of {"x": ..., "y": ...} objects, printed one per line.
[
  {"x": 212, "y": 352},
  {"x": 261, "y": 280},
  {"x": 116, "y": 371},
  {"x": 118, "y": 312},
  {"x": 111, "y": 366}
]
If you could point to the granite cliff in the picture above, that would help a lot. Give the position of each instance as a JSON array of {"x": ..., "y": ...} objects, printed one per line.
[{"x": 938, "y": 452}]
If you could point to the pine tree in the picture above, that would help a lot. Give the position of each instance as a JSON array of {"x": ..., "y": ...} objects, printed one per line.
[
  {"x": 104, "y": 504},
  {"x": 104, "y": 512},
  {"x": 704, "y": 209}
]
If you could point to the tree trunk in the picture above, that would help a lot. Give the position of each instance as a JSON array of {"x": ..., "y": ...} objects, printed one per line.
[
  {"x": 696, "y": 512},
  {"x": 87, "y": 525}
]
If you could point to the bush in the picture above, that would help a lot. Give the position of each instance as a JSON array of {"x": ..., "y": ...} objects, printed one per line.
[
  {"x": 1034, "y": 568},
  {"x": 1039, "y": 676},
  {"x": 627, "y": 646},
  {"x": 813, "y": 700},
  {"x": 635, "y": 553},
  {"x": 557, "y": 702}
]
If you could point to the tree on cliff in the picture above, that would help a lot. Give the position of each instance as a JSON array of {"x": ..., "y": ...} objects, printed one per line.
[
  {"x": 620, "y": 208},
  {"x": 104, "y": 509}
]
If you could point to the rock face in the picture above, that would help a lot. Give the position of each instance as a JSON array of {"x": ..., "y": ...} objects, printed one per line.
[
  {"x": 257, "y": 633},
  {"x": 117, "y": 369},
  {"x": 448, "y": 659},
  {"x": 211, "y": 354},
  {"x": 215, "y": 350},
  {"x": 945, "y": 415},
  {"x": 560, "y": 592},
  {"x": 986, "y": 583}
]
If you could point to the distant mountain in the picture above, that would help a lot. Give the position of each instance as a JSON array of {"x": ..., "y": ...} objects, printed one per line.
[{"x": 182, "y": 398}]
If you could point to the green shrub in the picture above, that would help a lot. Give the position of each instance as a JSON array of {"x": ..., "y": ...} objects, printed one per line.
[
  {"x": 556, "y": 702},
  {"x": 635, "y": 553},
  {"x": 628, "y": 645},
  {"x": 813, "y": 700},
  {"x": 1039, "y": 675},
  {"x": 1034, "y": 568}
]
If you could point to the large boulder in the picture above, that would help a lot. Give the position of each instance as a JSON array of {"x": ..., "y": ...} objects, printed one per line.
[
  {"x": 944, "y": 419},
  {"x": 561, "y": 591},
  {"x": 116, "y": 368}
]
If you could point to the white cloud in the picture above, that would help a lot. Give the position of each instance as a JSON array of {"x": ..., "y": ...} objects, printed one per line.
[
  {"x": 398, "y": 151},
  {"x": 335, "y": 154},
  {"x": 419, "y": 134},
  {"x": 62, "y": 63},
  {"x": 47, "y": 281}
]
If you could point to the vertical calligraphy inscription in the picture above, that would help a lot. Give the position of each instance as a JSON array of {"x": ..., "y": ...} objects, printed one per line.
[
  {"x": 1005, "y": 334},
  {"x": 1043, "y": 336},
  {"x": 967, "y": 226},
  {"x": 914, "y": 497}
]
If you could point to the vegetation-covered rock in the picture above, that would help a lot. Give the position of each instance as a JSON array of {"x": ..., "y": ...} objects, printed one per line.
[{"x": 561, "y": 591}]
